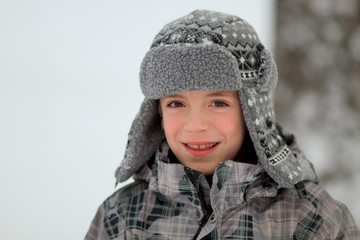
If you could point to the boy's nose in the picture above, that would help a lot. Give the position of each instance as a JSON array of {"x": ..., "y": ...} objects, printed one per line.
[{"x": 196, "y": 121}]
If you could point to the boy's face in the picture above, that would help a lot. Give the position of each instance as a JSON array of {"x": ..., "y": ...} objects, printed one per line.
[{"x": 203, "y": 128}]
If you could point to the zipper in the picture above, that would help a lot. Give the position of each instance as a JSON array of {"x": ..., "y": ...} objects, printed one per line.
[
  {"x": 202, "y": 224},
  {"x": 207, "y": 213},
  {"x": 207, "y": 210}
]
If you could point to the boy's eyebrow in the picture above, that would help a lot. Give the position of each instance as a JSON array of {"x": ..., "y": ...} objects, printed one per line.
[
  {"x": 176, "y": 95},
  {"x": 218, "y": 94},
  {"x": 210, "y": 94}
]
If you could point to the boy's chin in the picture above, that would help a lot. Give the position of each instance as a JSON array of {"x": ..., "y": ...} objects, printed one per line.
[{"x": 204, "y": 168}]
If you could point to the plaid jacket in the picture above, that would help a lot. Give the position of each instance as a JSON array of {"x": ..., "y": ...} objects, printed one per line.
[{"x": 171, "y": 201}]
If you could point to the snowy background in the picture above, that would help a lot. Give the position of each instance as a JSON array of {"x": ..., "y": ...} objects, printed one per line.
[{"x": 68, "y": 93}]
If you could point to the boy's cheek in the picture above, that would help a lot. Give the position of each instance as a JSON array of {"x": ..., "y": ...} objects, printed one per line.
[{"x": 170, "y": 125}]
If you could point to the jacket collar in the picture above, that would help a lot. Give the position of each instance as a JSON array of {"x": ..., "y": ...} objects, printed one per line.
[{"x": 234, "y": 183}]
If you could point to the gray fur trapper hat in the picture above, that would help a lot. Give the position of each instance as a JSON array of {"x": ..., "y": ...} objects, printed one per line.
[{"x": 210, "y": 51}]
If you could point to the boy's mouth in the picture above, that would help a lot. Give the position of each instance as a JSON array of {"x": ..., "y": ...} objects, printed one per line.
[
  {"x": 200, "y": 149},
  {"x": 201, "y": 146}
]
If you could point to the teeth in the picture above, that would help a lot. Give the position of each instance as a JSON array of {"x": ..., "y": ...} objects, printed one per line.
[{"x": 202, "y": 146}]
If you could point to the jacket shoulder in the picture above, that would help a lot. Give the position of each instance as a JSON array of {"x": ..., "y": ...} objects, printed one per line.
[
  {"x": 328, "y": 217},
  {"x": 108, "y": 221},
  {"x": 122, "y": 195}
]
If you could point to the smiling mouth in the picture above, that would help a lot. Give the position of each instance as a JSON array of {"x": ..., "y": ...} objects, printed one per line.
[
  {"x": 201, "y": 149},
  {"x": 201, "y": 146}
]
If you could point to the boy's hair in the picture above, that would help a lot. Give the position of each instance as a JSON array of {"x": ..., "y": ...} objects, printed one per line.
[{"x": 211, "y": 51}]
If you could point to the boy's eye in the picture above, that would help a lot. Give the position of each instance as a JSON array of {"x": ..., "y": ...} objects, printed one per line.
[
  {"x": 219, "y": 104},
  {"x": 175, "y": 104}
]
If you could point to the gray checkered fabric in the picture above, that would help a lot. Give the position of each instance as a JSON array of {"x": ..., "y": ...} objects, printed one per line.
[{"x": 169, "y": 201}]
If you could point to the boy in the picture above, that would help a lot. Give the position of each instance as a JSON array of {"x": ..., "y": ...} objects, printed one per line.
[{"x": 208, "y": 158}]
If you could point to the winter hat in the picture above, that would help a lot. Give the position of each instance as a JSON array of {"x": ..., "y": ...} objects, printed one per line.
[{"x": 211, "y": 51}]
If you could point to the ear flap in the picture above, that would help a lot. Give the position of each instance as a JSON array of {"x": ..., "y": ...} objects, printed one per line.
[
  {"x": 144, "y": 138},
  {"x": 273, "y": 153}
]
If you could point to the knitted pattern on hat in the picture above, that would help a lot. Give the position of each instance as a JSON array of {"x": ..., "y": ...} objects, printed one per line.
[{"x": 208, "y": 27}]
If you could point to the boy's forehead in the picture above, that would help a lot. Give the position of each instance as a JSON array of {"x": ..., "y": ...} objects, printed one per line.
[{"x": 204, "y": 93}]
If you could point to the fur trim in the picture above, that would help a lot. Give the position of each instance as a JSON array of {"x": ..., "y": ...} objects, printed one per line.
[{"x": 170, "y": 69}]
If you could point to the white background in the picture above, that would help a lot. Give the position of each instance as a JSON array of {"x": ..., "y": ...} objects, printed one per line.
[{"x": 68, "y": 93}]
